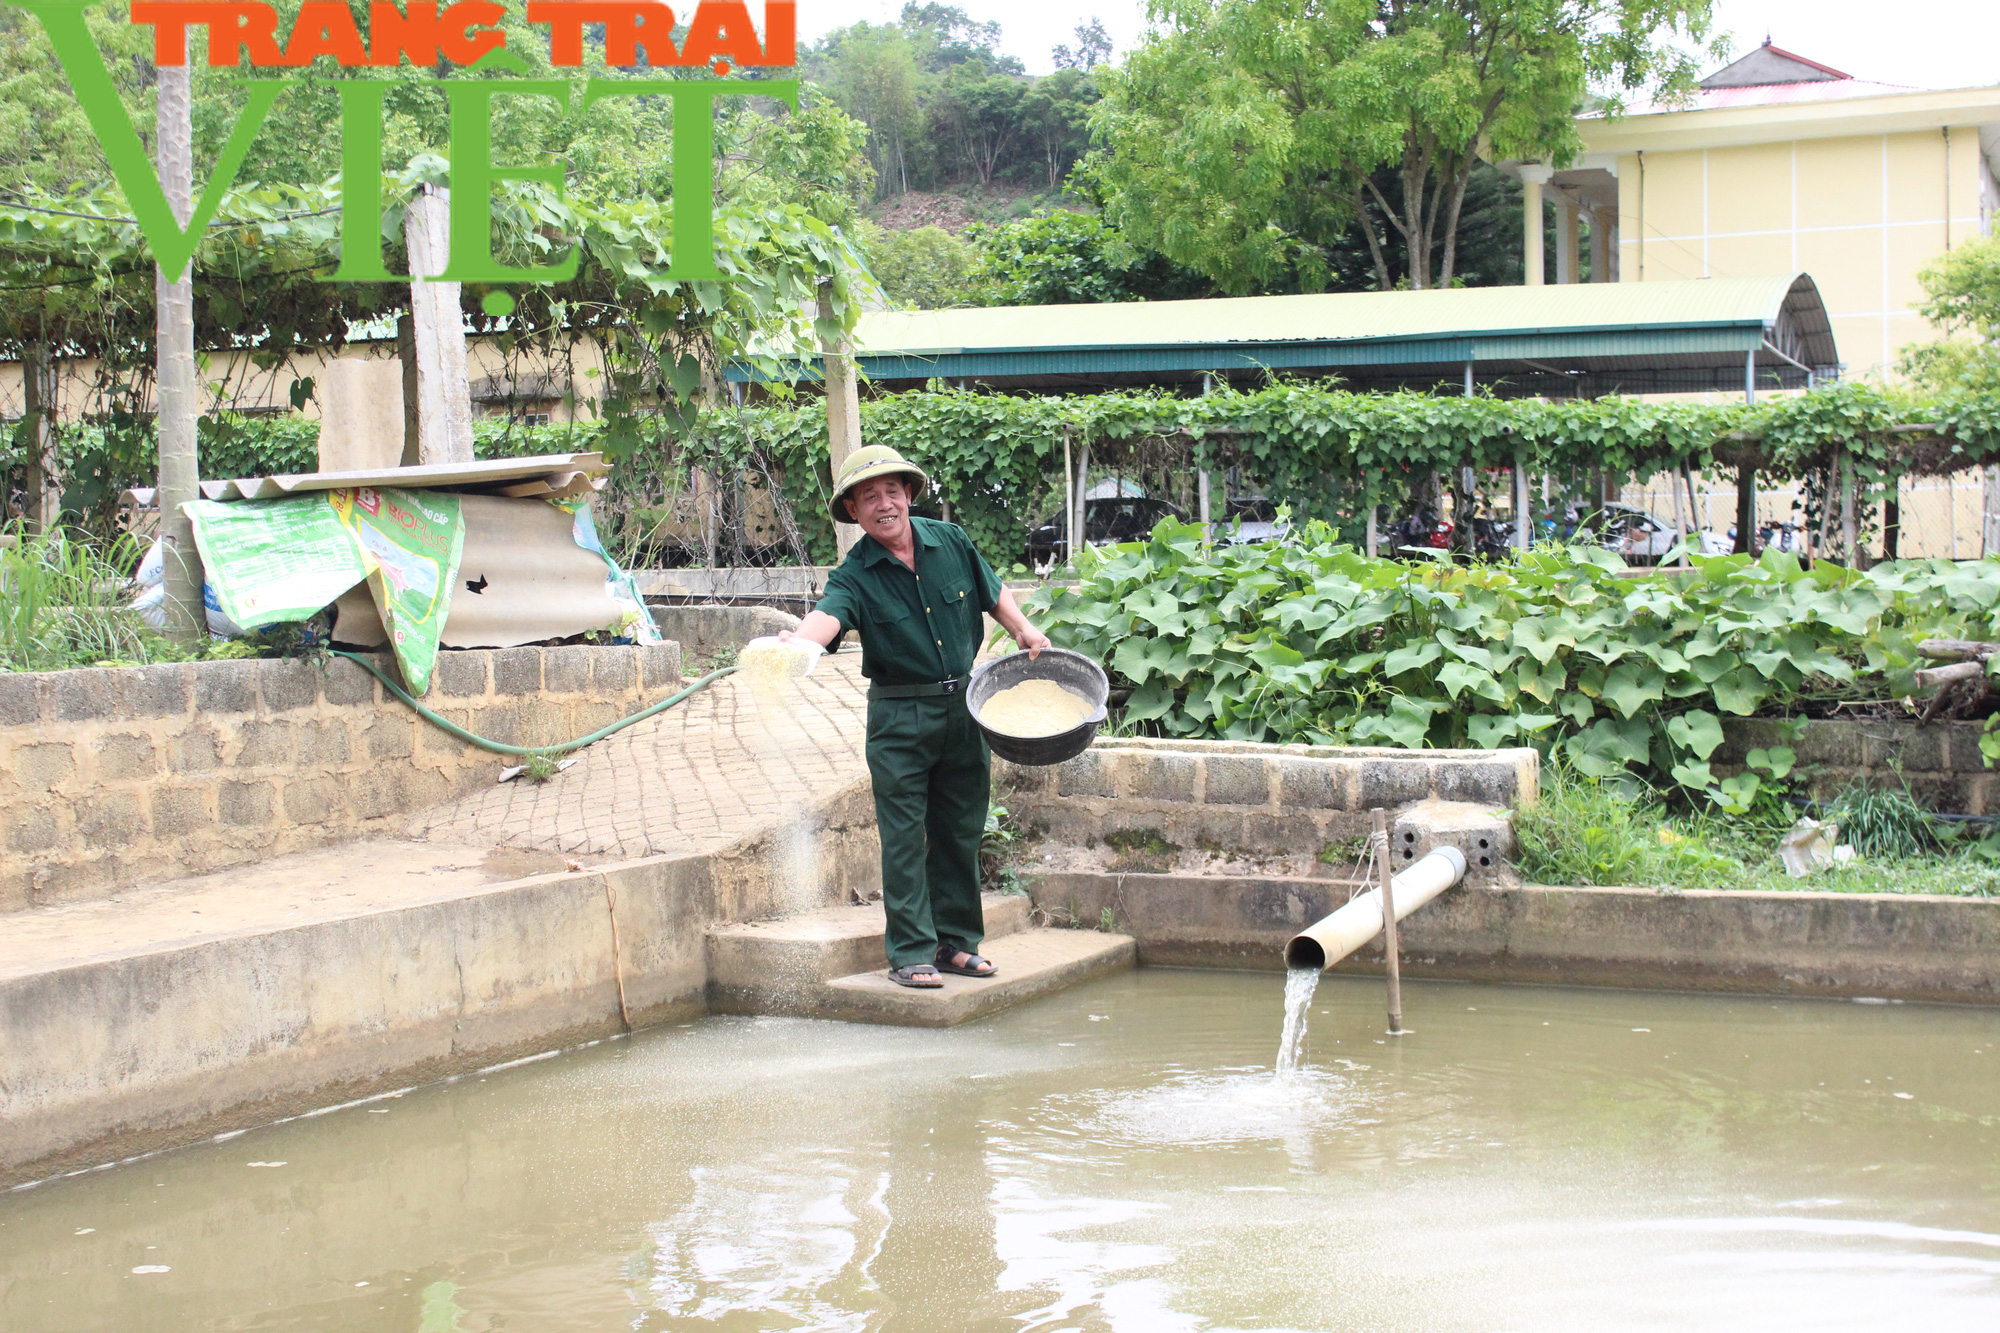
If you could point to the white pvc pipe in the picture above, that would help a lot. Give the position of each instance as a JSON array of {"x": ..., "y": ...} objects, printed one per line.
[{"x": 1332, "y": 938}]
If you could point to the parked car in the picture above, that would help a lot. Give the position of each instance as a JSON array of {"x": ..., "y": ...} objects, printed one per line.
[
  {"x": 1251, "y": 518},
  {"x": 1640, "y": 537},
  {"x": 1125, "y": 518}
]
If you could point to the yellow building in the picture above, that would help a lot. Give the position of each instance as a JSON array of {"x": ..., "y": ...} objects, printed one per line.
[{"x": 1783, "y": 165}]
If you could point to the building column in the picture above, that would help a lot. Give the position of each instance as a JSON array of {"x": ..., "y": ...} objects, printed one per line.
[
  {"x": 1566, "y": 253},
  {"x": 1600, "y": 244},
  {"x": 1533, "y": 177}
]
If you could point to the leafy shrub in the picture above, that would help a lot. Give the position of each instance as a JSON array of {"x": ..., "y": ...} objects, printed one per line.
[{"x": 1618, "y": 676}]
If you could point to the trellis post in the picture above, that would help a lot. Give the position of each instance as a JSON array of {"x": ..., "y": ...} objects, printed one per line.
[
  {"x": 41, "y": 507},
  {"x": 1850, "y": 525},
  {"x": 1523, "y": 525},
  {"x": 180, "y": 465},
  {"x": 1201, "y": 477},
  {"x": 437, "y": 323},
  {"x": 843, "y": 403}
]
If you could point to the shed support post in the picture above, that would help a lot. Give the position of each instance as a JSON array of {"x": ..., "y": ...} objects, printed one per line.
[{"x": 1566, "y": 249}]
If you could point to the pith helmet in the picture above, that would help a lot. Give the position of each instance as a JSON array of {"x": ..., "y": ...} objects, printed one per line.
[{"x": 865, "y": 464}]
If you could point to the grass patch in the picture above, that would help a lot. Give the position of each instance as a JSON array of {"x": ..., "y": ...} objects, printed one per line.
[
  {"x": 62, "y": 605},
  {"x": 1345, "y": 851},
  {"x": 1585, "y": 832},
  {"x": 1141, "y": 851}
]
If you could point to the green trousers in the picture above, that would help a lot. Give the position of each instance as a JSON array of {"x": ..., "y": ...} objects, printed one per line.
[{"x": 932, "y": 775}]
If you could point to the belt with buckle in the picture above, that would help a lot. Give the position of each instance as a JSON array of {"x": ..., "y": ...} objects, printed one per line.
[{"x": 932, "y": 690}]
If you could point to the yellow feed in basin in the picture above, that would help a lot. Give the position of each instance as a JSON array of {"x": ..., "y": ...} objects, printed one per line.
[{"x": 1035, "y": 708}]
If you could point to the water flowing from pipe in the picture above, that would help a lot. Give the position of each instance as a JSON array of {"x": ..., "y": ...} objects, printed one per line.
[{"x": 1300, "y": 983}]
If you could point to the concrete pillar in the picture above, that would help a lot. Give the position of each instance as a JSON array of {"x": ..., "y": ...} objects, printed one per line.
[
  {"x": 444, "y": 393},
  {"x": 843, "y": 406},
  {"x": 1601, "y": 226},
  {"x": 1533, "y": 177},
  {"x": 1566, "y": 252}
]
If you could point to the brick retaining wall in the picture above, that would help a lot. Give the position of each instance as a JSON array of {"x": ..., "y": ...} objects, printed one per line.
[
  {"x": 115, "y": 777},
  {"x": 1252, "y": 797},
  {"x": 1940, "y": 763}
]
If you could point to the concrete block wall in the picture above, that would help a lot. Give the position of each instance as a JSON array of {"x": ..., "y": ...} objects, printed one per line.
[
  {"x": 111, "y": 778},
  {"x": 1254, "y": 798},
  {"x": 1940, "y": 763},
  {"x": 704, "y": 630},
  {"x": 132, "y": 1050}
]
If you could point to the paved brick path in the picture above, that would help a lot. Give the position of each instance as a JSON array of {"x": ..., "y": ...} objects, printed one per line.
[{"x": 704, "y": 774}]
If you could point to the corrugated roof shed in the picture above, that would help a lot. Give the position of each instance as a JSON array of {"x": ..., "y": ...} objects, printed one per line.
[{"x": 1581, "y": 338}]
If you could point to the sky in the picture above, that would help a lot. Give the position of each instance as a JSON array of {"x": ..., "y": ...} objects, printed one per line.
[{"x": 1922, "y": 43}]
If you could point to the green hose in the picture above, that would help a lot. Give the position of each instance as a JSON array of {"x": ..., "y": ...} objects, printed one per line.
[{"x": 530, "y": 751}]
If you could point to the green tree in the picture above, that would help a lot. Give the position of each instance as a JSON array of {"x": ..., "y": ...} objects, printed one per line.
[
  {"x": 1962, "y": 297},
  {"x": 1059, "y": 257},
  {"x": 1055, "y": 115},
  {"x": 1093, "y": 48},
  {"x": 977, "y": 115},
  {"x": 949, "y": 37},
  {"x": 926, "y": 268},
  {"x": 872, "y": 72},
  {"x": 1245, "y": 136},
  {"x": 45, "y": 142}
]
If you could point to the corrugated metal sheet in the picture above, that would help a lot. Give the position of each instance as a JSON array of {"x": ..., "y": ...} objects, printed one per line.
[
  {"x": 521, "y": 579},
  {"x": 562, "y": 474},
  {"x": 1472, "y": 312}
]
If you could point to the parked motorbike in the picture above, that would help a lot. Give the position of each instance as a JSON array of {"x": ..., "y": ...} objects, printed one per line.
[
  {"x": 1422, "y": 529},
  {"x": 1493, "y": 539}
]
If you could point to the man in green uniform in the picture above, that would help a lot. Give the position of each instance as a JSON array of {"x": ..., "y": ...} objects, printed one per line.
[{"x": 915, "y": 589}]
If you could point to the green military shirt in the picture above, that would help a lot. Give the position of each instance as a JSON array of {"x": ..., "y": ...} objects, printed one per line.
[{"x": 918, "y": 627}]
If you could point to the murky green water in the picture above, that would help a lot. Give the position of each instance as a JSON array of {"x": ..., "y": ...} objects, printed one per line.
[{"x": 1116, "y": 1158}]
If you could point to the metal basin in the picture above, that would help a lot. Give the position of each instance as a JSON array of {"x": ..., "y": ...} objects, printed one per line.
[{"x": 1072, "y": 671}]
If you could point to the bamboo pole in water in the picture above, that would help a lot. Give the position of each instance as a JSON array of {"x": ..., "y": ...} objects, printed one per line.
[{"x": 1388, "y": 920}]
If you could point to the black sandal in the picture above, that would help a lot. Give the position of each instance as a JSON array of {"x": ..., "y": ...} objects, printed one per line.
[
  {"x": 975, "y": 966},
  {"x": 917, "y": 976}
]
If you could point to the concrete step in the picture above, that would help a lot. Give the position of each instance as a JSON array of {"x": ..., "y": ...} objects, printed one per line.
[
  {"x": 829, "y": 964},
  {"x": 819, "y": 946},
  {"x": 1033, "y": 963}
]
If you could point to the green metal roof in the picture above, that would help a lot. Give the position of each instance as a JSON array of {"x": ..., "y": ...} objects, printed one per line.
[{"x": 1600, "y": 328}]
